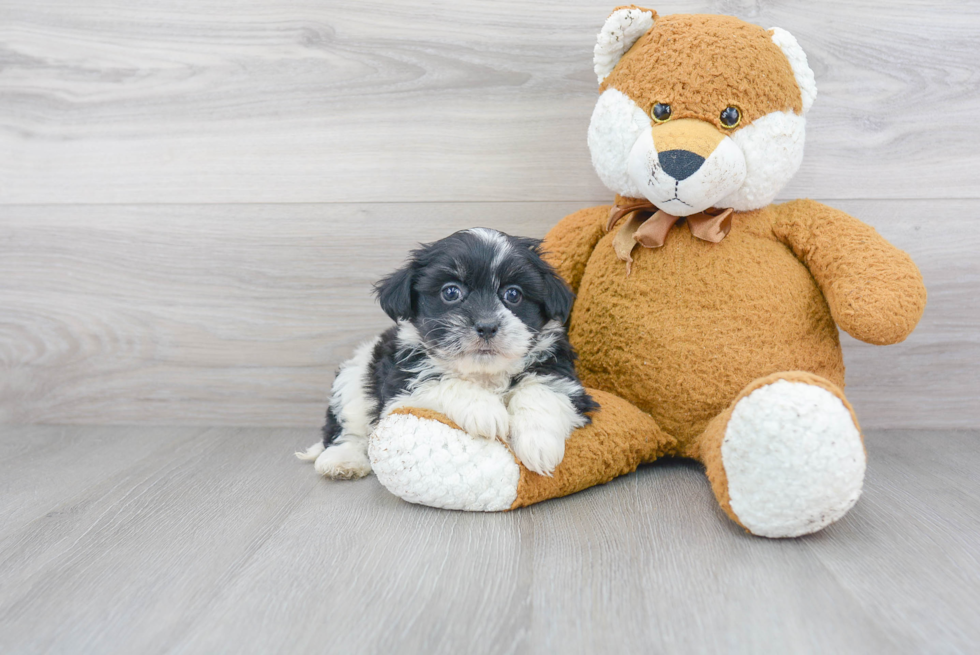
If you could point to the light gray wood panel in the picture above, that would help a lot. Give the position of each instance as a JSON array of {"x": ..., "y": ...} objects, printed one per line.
[
  {"x": 738, "y": 594},
  {"x": 159, "y": 539},
  {"x": 27, "y": 487},
  {"x": 225, "y": 543},
  {"x": 240, "y": 314},
  {"x": 311, "y": 101},
  {"x": 376, "y": 575},
  {"x": 917, "y": 530}
]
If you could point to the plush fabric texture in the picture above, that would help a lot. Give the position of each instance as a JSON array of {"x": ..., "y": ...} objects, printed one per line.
[
  {"x": 794, "y": 459},
  {"x": 805, "y": 79},
  {"x": 617, "y": 122},
  {"x": 701, "y": 64},
  {"x": 424, "y": 458},
  {"x": 874, "y": 291},
  {"x": 708, "y": 447},
  {"x": 620, "y": 438},
  {"x": 698, "y": 326},
  {"x": 773, "y": 151},
  {"x": 618, "y": 34},
  {"x": 682, "y": 335},
  {"x": 568, "y": 249}
]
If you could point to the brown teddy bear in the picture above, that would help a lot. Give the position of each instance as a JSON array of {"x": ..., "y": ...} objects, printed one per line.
[{"x": 706, "y": 317}]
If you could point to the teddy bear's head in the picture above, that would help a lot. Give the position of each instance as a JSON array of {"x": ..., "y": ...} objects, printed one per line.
[{"x": 698, "y": 111}]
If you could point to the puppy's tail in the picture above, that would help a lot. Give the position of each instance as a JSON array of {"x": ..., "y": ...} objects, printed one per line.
[{"x": 312, "y": 452}]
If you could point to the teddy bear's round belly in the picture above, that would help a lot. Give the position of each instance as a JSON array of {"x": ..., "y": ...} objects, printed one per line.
[{"x": 695, "y": 322}]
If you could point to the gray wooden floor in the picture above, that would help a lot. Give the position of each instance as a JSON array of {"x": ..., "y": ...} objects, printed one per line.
[{"x": 146, "y": 540}]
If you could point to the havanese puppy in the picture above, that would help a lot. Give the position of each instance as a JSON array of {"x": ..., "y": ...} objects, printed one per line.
[{"x": 479, "y": 337}]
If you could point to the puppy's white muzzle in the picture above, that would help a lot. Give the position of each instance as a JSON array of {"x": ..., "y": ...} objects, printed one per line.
[{"x": 684, "y": 183}]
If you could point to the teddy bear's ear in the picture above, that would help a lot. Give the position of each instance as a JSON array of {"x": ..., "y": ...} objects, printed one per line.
[
  {"x": 797, "y": 60},
  {"x": 620, "y": 31}
]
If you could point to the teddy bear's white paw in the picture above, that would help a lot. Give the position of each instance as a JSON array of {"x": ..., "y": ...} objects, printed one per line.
[
  {"x": 794, "y": 459},
  {"x": 487, "y": 418},
  {"x": 430, "y": 463},
  {"x": 345, "y": 461},
  {"x": 539, "y": 446}
]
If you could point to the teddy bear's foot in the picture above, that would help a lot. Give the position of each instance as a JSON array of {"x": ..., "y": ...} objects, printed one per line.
[
  {"x": 422, "y": 458},
  {"x": 792, "y": 455},
  {"x": 425, "y": 458}
]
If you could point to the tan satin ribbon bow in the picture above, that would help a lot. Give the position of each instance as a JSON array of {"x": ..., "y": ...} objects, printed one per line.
[{"x": 648, "y": 226}]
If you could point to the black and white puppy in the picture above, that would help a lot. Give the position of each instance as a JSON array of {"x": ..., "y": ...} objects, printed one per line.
[{"x": 479, "y": 337}]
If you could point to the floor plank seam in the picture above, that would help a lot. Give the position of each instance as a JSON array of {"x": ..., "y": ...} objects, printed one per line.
[{"x": 225, "y": 582}]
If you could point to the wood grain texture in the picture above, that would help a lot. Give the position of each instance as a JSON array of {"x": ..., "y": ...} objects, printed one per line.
[
  {"x": 239, "y": 315},
  {"x": 158, "y": 538},
  {"x": 311, "y": 101},
  {"x": 220, "y": 541},
  {"x": 81, "y": 458}
]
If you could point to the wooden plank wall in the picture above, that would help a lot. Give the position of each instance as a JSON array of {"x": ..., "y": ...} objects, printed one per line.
[{"x": 195, "y": 197}]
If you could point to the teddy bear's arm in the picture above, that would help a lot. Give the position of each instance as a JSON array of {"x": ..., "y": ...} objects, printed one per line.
[
  {"x": 569, "y": 244},
  {"x": 874, "y": 290}
]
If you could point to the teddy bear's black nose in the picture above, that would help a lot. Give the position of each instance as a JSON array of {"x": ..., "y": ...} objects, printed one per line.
[{"x": 680, "y": 164}]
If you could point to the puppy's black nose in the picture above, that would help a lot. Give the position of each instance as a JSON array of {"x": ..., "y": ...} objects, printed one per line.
[
  {"x": 487, "y": 329},
  {"x": 680, "y": 164}
]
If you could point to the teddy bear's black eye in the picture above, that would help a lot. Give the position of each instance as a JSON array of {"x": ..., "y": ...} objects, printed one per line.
[
  {"x": 731, "y": 117},
  {"x": 660, "y": 112}
]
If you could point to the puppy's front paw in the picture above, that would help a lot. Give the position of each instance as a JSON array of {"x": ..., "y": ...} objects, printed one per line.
[
  {"x": 346, "y": 461},
  {"x": 539, "y": 447},
  {"x": 485, "y": 418}
]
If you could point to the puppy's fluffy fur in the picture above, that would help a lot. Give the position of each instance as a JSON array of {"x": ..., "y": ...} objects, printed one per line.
[{"x": 479, "y": 336}]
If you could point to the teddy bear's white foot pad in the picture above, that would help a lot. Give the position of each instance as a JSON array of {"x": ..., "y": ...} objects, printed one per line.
[
  {"x": 794, "y": 459},
  {"x": 430, "y": 463}
]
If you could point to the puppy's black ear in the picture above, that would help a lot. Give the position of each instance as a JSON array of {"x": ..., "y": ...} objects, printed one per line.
[
  {"x": 534, "y": 245},
  {"x": 558, "y": 297},
  {"x": 394, "y": 293}
]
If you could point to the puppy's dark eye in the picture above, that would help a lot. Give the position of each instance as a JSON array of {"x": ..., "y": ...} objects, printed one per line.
[
  {"x": 731, "y": 117},
  {"x": 451, "y": 293},
  {"x": 660, "y": 112},
  {"x": 513, "y": 295}
]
